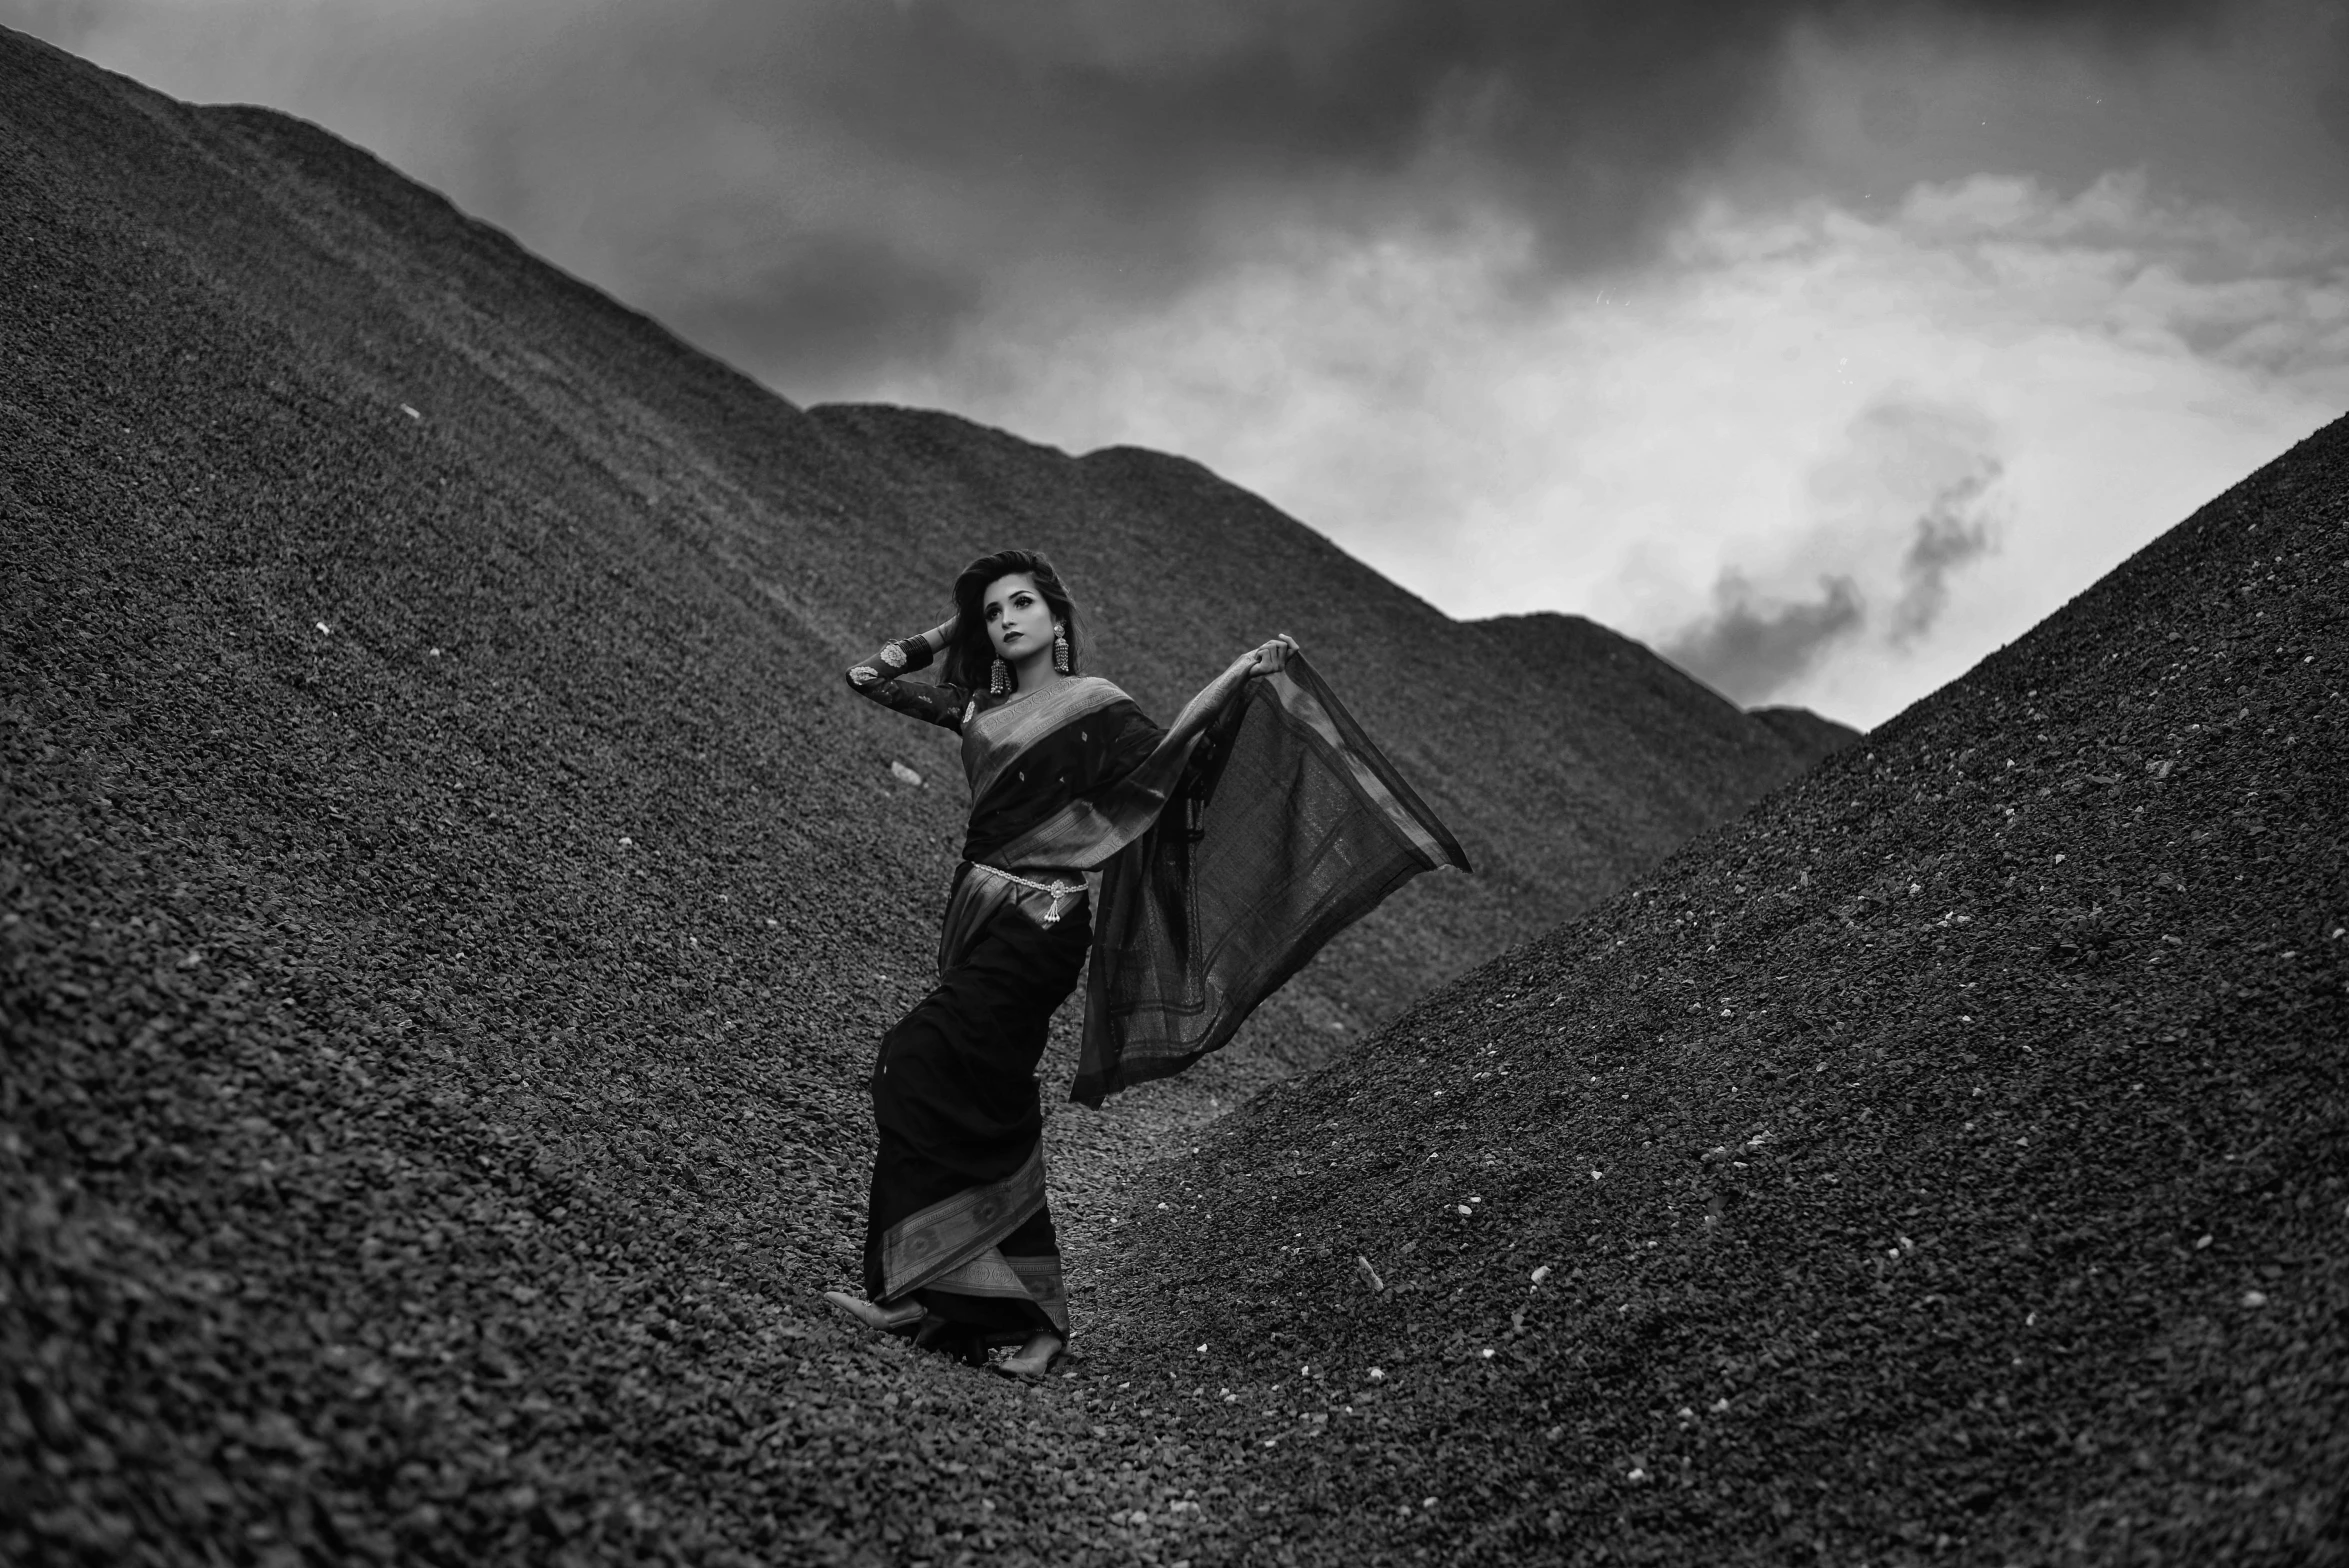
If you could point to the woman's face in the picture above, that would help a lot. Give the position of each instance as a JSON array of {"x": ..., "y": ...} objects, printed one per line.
[{"x": 1019, "y": 622}]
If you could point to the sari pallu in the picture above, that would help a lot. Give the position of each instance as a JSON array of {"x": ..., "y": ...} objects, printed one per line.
[{"x": 1290, "y": 826}]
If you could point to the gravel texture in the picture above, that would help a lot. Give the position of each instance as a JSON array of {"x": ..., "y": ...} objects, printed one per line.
[
  {"x": 1949, "y": 1161},
  {"x": 447, "y": 898}
]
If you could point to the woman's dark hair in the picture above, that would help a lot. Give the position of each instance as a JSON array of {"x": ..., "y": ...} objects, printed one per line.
[{"x": 971, "y": 656}]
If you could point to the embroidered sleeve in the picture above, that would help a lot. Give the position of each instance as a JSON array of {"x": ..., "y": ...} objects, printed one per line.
[{"x": 877, "y": 678}]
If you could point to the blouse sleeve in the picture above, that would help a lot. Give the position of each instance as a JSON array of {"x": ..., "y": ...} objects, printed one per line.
[
  {"x": 1210, "y": 716},
  {"x": 877, "y": 679},
  {"x": 1130, "y": 745}
]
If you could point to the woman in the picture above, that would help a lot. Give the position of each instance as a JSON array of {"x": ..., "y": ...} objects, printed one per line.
[
  {"x": 1203, "y": 915},
  {"x": 959, "y": 1236}
]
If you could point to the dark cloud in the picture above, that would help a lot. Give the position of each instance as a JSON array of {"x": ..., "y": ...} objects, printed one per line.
[
  {"x": 1127, "y": 144},
  {"x": 711, "y": 160},
  {"x": 1125, "y": 141},
  {"x": 1953, "y": 531},
  {"x": 827, "y": 304},
  {"x": 1749, "y": 649},
  {"x": 2332, "y": 111}
]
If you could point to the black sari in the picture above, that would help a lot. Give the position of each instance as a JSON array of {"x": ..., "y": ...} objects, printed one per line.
[{"x": 1075, "y": 779}]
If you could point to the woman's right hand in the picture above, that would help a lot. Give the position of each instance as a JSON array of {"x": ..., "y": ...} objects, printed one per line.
[{"x": 1272, "y": 657}]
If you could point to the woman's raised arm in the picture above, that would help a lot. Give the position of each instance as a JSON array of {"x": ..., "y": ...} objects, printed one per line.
[
  {"x": 1266, "y": 659},
  {"x": 876, "y": 678}
]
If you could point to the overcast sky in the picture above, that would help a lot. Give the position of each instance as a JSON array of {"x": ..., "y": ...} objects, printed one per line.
[{"x": 1823, "y": 346}]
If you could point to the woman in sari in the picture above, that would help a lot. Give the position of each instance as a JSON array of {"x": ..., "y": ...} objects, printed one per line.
[
  {"x": 1065, "y": 771},
  {"x": 1286, "y": 825}
]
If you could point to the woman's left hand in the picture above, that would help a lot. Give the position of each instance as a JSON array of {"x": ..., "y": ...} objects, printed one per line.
[{"x": 1273, "y": 657}]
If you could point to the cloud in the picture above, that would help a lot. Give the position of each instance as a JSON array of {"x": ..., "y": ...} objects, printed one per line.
[
  {"x": 1905, "y": 502},
  {"x": 1950, "y": 534},
  {"x": 829, "y": 305},
  {"x": 2232, "y": 108},
  {"x": 1916, "y": 475},
  {"x": 1748, "y": 649},
  {"x": 1965, "y": 403},
  {"x": 832, "y": 189}
]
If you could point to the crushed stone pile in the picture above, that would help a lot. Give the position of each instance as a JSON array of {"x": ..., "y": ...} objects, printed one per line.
[
  {"x": 448, "y": 898},
  {"x": 1947, "y": 1162}
]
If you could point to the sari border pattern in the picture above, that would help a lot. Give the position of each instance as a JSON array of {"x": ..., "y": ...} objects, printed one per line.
[
  {"x": 1306, "y": 697},
  {"x": 1042, "y": 1277},
  {"x": 1001, "y": 1275},
  {"x": 949, "y": 1233}
]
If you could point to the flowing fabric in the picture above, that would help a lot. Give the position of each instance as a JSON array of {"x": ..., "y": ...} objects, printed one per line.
[
  {"x": 1231, "y": 846},
  {"x": 1293, "y": 826}
]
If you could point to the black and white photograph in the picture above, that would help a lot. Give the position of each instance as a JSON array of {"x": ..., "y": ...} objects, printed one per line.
[{"x": 1200, "y": 783}]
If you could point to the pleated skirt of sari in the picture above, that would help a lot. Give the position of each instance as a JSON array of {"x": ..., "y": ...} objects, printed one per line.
[{"x": 958, "y": 1219}]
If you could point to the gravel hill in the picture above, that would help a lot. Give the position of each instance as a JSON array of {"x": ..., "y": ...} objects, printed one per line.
[
  {"x": 1947, "y": 1162},
  {"x": 447, "y": 896}
]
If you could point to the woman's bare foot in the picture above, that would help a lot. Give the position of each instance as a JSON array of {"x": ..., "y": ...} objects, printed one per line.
[
  {"x": 1035, "y": 1357},
  {"x": 872, "y": 1316}
]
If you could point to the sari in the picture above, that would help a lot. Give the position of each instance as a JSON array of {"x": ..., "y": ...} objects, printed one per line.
[{"x": 1229, "y": 848}]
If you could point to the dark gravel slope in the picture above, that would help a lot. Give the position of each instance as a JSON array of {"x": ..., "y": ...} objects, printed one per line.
[
  {"x": 1947, "y": 1162},
  {"x": 1814, "y": 738},
  {"x": 447, "y": 898}
]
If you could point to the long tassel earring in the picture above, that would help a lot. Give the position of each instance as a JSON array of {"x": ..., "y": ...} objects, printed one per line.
[
  {"x": 999, "y": 679},
  {"x": 1060, "y": 650}
]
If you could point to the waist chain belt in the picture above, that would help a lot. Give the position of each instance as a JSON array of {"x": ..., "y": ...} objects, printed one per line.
[{"x": 1057, "y": 891}]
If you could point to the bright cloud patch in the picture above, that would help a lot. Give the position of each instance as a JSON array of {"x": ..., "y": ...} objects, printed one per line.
[
  {"x": 1903, "y": 459},
  {"x": 1820, "y": 457}
]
